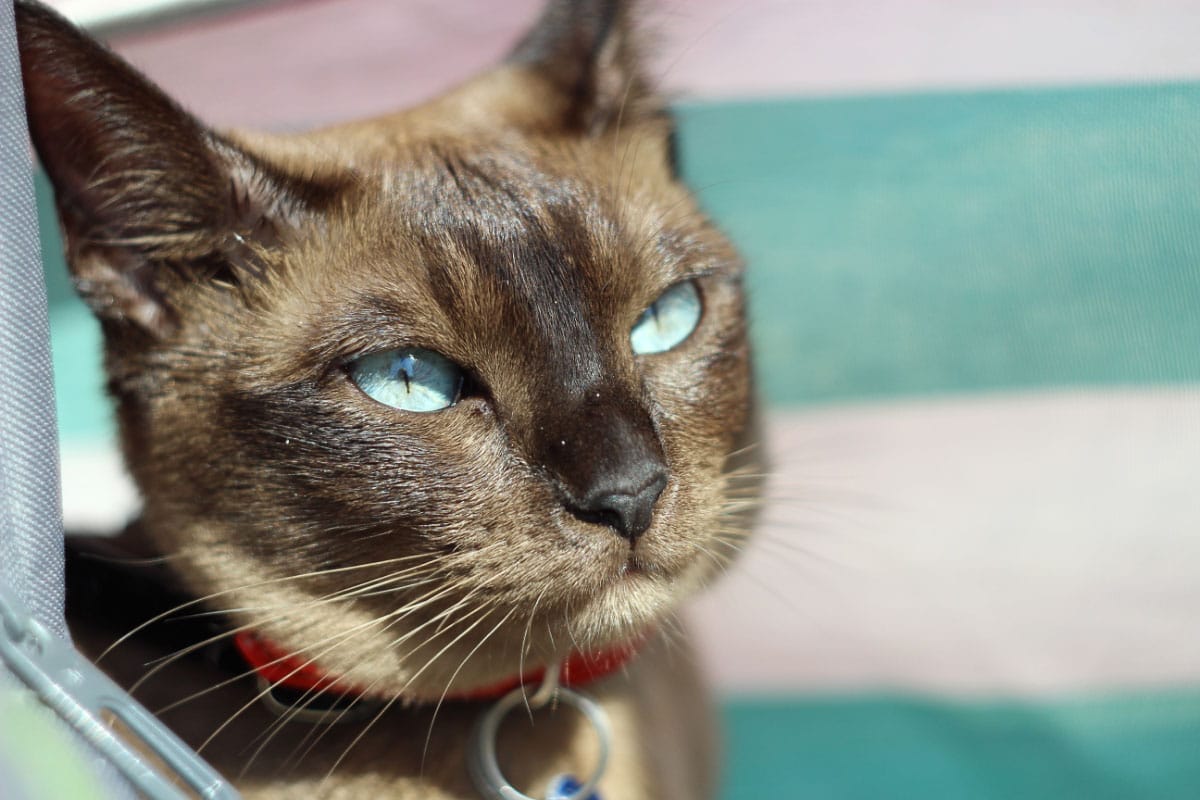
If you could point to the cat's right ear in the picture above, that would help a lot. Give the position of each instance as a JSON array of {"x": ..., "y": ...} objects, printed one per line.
[
  {"x": 577, "y": 71},
  {"x": 148, "y": 197}
]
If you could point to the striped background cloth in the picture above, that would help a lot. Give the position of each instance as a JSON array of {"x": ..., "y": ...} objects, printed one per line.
[{"x": 973, "y": 231}]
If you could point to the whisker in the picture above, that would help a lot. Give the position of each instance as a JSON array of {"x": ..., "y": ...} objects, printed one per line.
[
  {"x": 390, "y": 702},
  {"x": 373, "y": 684},
  {"x": 338, "y": 640},
  {"x": 463, "y": 663},
  {"x": 524, "y": 644},
  {"x": 235, "y": 678},
  {"x": 244, "y": 587},
  {"x": 167, "y": 660}
]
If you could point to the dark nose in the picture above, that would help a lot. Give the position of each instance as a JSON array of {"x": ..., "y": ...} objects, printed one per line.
[
  {"x": 625, "y": 507},
  {"x": 605, "y": 459}
]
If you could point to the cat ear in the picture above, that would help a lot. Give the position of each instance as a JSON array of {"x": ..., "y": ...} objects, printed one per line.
[
  {"x": 147, "y": 196},
  {"x": 585, "y": 52}
]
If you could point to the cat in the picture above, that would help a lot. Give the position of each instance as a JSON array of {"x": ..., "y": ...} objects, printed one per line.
[{"x": 420, "y": 404}]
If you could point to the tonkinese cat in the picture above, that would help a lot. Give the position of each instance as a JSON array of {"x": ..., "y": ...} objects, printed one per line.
[{"x": 420, "y": 407}]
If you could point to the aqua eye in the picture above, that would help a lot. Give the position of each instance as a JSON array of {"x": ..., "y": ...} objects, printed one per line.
[
  {"x": 668, "y": 321},
  {"x": 411, "y": 379}
]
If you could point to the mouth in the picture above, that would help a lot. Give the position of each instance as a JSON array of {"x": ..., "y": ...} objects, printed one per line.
[
  {"x": 637, "y": 566},
  {"x": 633, "y": 567}
]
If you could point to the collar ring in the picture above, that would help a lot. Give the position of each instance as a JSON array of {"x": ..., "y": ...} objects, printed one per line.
[{"x": 481, "y": 754}]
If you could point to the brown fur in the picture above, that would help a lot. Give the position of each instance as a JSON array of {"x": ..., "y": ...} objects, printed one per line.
[{"x": 519, "y": 225}]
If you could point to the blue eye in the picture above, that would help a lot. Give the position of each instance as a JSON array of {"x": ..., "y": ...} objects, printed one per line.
[
  {"x": 411, "y": 379},
  {"x": 668, "y": 321}
]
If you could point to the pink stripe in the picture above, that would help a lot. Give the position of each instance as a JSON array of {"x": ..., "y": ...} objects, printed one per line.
[
  {"x": 996, "y": 545},
  {"x": 289, "y": 65}
]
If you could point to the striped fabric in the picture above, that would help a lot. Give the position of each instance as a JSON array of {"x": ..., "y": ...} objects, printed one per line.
[
  {"x": 976, "y": 297},
  {"x": 976, "y": 315}
]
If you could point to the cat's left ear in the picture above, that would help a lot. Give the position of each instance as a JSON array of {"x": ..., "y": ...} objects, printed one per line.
[
  {"x": 150, "y": 200},
  {"x": 583, "y": 59}
]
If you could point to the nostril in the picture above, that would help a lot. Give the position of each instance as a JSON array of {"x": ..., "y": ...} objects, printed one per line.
[{"x": 627, "y": 511}]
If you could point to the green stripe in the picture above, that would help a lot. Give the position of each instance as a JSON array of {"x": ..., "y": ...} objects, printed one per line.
[
  {"x": 1142, "y": 746},
  {"x": 961, "y": 242},
  {"x": 83, "y": 411},
  {"x": 920, "y": 244}
]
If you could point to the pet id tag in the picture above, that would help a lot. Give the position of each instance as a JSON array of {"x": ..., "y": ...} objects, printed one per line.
[
  {"x": 565, "y": 787},
  {"x": 481, "y": 755}
]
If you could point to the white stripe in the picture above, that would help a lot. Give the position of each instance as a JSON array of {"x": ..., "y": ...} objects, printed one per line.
[
  {"x": 1017, "y": 544},
  {"x": 864, "y": 46},
  {"x": 997, "y": 545},
  {"x": 98, "y": 495}
]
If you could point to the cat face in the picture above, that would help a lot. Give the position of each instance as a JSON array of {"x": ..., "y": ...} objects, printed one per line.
[{"x": 425, "y": 398}]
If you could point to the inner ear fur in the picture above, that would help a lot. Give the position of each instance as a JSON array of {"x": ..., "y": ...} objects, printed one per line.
[{"x": 146, "y": 194}]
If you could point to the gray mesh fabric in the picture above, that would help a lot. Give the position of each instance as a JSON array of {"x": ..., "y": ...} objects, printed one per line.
[
  {"x": 31, "y": 540},
  {"x": 31, "y": 545}
]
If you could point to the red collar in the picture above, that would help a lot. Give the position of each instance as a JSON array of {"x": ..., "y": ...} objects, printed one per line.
[{"x": 280, "y": 668}]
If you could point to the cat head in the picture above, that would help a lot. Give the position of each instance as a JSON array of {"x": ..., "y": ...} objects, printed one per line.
[{"x": 425, "y": 397}]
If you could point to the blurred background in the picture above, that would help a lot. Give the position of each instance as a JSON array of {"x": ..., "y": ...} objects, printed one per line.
[{"x": 973, "y": 232}]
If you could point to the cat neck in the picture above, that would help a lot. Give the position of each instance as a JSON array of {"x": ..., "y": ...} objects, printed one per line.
[{"x": 112, "y": 587}]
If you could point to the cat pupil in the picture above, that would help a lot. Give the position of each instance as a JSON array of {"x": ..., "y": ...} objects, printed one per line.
[
  {"x": 412, "y": 379},
  {"x": 404, "y": 369}
]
